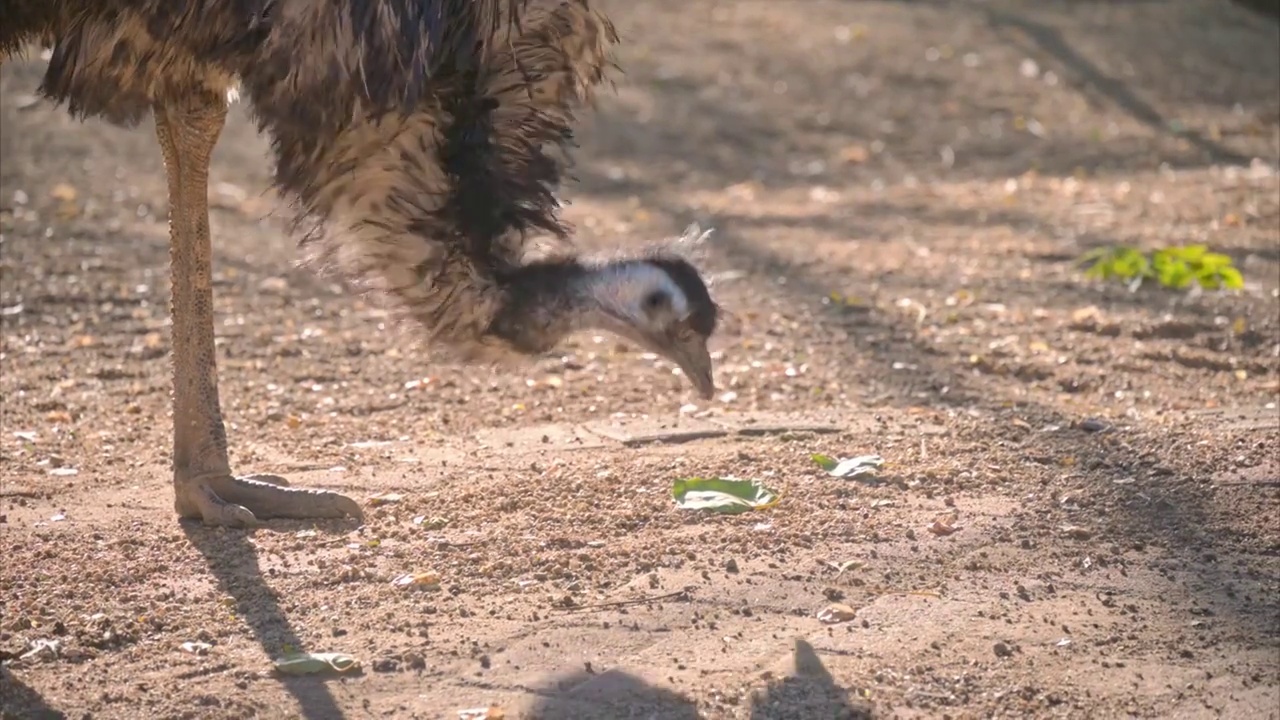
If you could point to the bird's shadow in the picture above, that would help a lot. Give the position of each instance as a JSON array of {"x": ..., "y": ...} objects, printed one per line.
[
  {"x": 19, "y": 700},
  {"x": 808, "y": 692},
  {"x": 234, "y": 563}
]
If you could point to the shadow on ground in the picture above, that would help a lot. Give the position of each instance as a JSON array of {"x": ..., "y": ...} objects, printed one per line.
[
  {"x": 808, "y": 692},
  {"x": 234, "y": 562},
  {"x": 20, "y": 702},
  {"x": 903, "y": 114}
]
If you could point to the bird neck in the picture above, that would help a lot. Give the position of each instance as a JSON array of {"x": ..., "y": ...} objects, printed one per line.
[{"x": 545, "y": 302}]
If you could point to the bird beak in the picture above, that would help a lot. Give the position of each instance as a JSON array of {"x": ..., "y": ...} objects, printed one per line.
[{"x": 695, "y": 361}]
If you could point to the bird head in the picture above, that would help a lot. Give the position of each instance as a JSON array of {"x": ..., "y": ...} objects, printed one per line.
[{"x": 661, "y": 303}]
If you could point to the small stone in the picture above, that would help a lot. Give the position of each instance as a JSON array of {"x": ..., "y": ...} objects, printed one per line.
[
  {"x": 1094, "y": 425},
  {"x": 486, "y": 662},
  {"x": 386, "y": 665},
  {"x": 731, "y": 566},
  {"x": 415, "y": 661},
  {"x": 1003, "y": 650}
]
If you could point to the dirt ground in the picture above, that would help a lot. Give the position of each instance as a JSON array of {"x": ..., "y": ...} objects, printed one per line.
[{"x": 898, "y": 191}]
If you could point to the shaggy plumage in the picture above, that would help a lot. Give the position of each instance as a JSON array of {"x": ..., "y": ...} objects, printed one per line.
[{"x": 421, "y": 142}]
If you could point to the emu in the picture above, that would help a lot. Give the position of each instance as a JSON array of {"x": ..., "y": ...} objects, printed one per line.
[{"x": 421, "y": 143}]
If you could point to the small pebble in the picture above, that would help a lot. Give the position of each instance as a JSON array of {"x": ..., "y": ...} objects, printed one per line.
[{"x": 1094, "y": 425}]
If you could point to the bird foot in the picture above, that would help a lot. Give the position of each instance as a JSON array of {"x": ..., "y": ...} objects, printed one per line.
[{"x": 246, "y": 501}]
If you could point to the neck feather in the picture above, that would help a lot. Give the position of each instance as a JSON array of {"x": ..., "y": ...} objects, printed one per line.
[{"x": 548, "y": 301}]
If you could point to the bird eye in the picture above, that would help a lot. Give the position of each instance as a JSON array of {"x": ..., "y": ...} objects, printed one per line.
[{"x": 655, "y": 300}]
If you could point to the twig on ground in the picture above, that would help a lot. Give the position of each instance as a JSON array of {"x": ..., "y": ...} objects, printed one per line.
[{"x": 682, "y": 594}]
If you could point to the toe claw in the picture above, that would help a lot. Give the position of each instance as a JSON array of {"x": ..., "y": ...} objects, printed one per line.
[{"x": 247, "y": 501}]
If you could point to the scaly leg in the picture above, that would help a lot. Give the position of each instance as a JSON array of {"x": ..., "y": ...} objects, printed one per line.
[{"x": 203, "y": 485}]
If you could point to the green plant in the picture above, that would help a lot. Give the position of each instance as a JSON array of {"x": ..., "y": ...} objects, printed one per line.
[{"x": 1174, "y": 267}]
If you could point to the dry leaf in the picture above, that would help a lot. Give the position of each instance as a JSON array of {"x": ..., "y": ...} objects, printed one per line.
[
  {"x": 418, "y": 581},
  {"x": 943, "y": 526},
  {"x": 386, "y": 498},
  {"x": 1075, "y": 532},
  {"x": 63, "y": 192},
  {"x": 855, "y": 154},
  {"x": 836, "y": 613},
  {"x": 846, "y": 565},
  {"x": 492, "y": 712}
]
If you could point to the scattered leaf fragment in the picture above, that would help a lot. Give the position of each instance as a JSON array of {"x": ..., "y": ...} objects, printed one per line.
[
  {"x": 943, "y": 526},
  {"x": 303, "y": 663},
  {"x": 726, "y": 495},
  {"x": 195, "y": 647},
  {"x": 385, "y": 498},
  {"x": 836, "y": 613},
  {"x": 64, "y": 472},
  {"x": 846, "y": 565},
  {"x": 63, "y": 192},
  {"x": 431, "y": 523},
  {"x": 418, "y": 581},
  {"x": 492, "y": 712},
  {"x": 1075, "y": 532},
  {"x": 43, "y": 649},
  {"x": 855, "y": 154},
  {"x": 849, "y": 467}
]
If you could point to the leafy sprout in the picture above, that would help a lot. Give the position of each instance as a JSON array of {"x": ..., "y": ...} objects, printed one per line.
[{"x": 1174, "y": 267}]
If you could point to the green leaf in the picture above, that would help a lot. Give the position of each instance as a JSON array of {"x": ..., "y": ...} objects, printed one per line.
[
  {"x": 724, "y": 495},
  {"x": 826, "y": 462},
  {"x": 1215, "y": 260},
  {"x": 1175, "y": 274},
  {"x": 1191, "y": 253},
  {"x": 312, "y": 663},
  {"x": 1171, "y": 267},
  {"x": 1231, "y": 278}
]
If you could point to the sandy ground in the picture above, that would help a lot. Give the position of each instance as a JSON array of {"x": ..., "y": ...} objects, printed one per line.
[{"x": 1107, "y": 459}]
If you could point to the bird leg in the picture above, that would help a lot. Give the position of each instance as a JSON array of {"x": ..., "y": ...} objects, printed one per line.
[{"x": 203, "y": 485}]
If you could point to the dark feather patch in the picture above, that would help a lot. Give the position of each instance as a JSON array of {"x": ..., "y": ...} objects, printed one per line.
[
  {"x": 422, "y": 141},
  {"x": 703, "y": 311}
]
